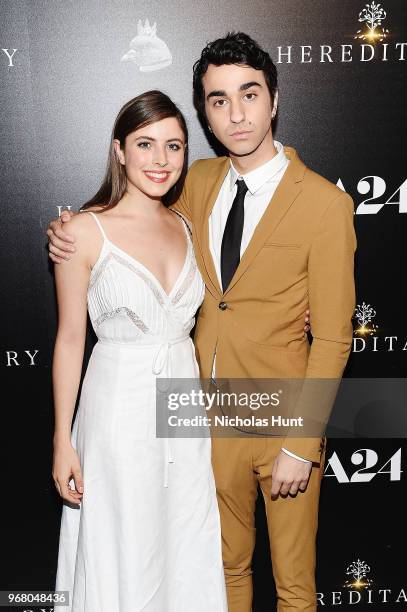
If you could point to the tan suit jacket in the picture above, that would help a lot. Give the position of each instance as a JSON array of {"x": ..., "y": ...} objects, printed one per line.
[{"x": 300, "y": 256}]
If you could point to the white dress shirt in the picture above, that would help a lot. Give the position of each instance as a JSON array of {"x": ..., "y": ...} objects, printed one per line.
[{"x": 262, "y": 183}]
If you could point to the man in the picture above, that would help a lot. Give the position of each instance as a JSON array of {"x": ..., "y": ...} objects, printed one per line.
[{"x": 271, "y": 238}]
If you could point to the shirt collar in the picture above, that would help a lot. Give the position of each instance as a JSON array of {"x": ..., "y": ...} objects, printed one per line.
[{"x": 259, "y": 176}]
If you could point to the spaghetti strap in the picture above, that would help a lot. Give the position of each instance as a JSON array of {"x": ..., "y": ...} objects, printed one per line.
[
  {"x": 189, "y": 233},
  {"x": 98, "y": 223}
]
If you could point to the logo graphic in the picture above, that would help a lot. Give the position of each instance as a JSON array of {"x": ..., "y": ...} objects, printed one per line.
[
  {"x": 367, "y": 336},
  {"x": 371, "y": 44},
  {"x": 147, "y": 50},
  {"x": 359, "y": 591},
  {"x": 372, "y": 15},
  {"x": 369, "y": 467},
  {"x": 375, "y": 187},
  {"x": 358, "y": 570},
  {"x": 364, "y": 314}
]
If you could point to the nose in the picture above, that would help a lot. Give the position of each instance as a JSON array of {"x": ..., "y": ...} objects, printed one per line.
[
  {"x": 236, "y": 112},
  {"x": 160, "y": 156}
]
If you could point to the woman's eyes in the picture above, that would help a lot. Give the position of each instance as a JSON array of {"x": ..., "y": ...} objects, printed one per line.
[{"x": 146, "y": 145}]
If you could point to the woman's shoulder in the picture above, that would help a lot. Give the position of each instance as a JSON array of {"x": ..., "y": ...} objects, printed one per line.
[{"x": 82, "y": 223}]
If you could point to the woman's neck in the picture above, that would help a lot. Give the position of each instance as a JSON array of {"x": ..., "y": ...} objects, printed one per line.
[{"x": 137, "y": 203}]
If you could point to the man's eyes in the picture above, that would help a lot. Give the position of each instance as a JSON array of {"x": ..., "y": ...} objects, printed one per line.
[{"x": 249, "y": 97}]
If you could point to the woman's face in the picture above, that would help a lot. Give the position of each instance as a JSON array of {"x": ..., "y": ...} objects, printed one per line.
[{"x": 153, "y": 157}]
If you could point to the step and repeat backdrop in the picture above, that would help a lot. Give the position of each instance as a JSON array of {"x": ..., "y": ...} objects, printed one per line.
[{"x": 66, "y": 68}]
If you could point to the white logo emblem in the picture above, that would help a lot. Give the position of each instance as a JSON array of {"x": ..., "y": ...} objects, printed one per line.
[
  {"x": 358, "y": 570},
  {"x": 364, "y": 314},
  {"x": 147, "y": 50},
  {"x": 358, "y": 590},
  {"x": 372, "y": 15}
]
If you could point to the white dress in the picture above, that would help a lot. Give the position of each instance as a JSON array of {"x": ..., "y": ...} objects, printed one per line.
[{"x": 146, "y": 536}]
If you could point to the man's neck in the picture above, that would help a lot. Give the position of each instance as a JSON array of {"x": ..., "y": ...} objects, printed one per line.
[{"x": 264, "y": 153}]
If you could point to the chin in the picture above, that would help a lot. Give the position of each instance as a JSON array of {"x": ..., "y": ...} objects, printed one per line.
[
  {"x": 156, "y": 191},
  {"x": 244, "y": 148}
]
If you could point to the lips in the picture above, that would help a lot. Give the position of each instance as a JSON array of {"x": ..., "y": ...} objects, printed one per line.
[
  {"x": 240, "y": 135},
  {"x": 157, "y": 176}
]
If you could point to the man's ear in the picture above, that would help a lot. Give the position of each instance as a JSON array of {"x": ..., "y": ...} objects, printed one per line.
[
  {"x": 119, "y": 151},
  {"x": 275, "y": 105}
]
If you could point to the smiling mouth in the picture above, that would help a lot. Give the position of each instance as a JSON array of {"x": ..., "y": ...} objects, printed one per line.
[{"x": 157, "y": 177}]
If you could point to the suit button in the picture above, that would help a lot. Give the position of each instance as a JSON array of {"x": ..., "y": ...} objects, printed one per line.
[{"x": 223, "y": 305}]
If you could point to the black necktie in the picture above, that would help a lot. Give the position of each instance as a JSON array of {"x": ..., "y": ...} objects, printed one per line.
[{"x": 232, "y": 236}]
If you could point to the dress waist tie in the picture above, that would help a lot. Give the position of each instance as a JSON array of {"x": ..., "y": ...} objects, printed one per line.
[{"x": 162, "y": 364}]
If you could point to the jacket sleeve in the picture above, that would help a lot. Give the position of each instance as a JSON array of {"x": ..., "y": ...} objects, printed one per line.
[{"x": 331, "y": 292}]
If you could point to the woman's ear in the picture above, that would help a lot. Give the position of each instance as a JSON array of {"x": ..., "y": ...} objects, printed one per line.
[{"x": 119, "y": 151}]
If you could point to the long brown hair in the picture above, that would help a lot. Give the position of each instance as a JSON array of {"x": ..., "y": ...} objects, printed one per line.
[{"x": 145, "y": 109}]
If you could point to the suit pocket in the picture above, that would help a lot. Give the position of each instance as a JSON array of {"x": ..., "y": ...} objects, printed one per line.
[
  {"x": 273, "y": 347},
  {"x": 275, "y": 361},
  {"x": 281, "y": 245}
]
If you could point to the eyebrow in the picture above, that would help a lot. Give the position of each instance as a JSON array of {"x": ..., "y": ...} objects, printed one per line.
[
  {"x": 154, "y": 139},
  {"x": 222, "y": 92}
]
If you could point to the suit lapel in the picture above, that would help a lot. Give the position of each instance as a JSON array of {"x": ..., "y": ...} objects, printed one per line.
[
  {"x": 203, "y": 227},
  {"x": 284, "y": 196}
]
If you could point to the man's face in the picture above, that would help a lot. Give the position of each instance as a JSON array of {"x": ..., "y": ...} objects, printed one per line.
[{"x": 238, "y": 106}]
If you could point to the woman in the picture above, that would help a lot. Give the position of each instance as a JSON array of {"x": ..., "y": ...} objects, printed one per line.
[{"x": 140, "y": 528}]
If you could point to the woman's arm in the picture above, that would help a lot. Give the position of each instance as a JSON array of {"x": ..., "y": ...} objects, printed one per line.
[{"x": 72, "y": 280}]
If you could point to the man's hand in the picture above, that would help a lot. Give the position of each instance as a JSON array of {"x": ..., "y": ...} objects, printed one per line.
[
  {"x": 289, "y": 475},
  {"x": 306, "y": 326},
  {"x": 60, "y": 244}
]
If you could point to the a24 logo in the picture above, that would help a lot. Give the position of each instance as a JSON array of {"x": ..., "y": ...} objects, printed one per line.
[
  {"x": 376, "y": 187},
  {"x": 368, "y": 460}
]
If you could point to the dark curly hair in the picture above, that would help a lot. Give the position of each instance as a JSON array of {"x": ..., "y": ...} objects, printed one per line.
[{"x": 234, "y": 48}]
